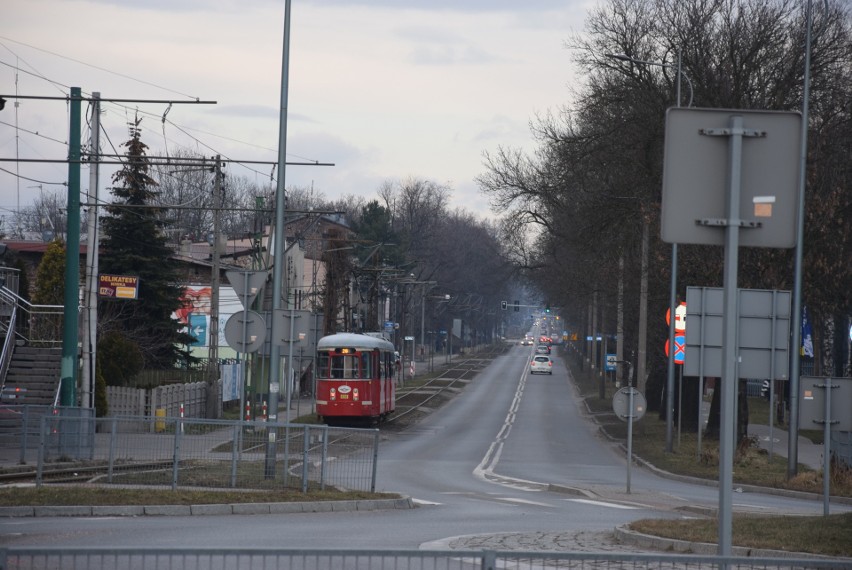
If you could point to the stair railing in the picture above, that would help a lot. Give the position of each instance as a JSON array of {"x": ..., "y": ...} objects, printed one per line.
[
  {"x": 45, "y": 321},
  {"x": 8, "y": 348}
]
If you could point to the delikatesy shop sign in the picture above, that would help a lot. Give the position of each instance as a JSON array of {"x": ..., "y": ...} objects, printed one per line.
[{"x": 118, "y": 286}]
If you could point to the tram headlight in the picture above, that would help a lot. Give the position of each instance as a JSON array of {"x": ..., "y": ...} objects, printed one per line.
[
  {"x": 355, "y": 394},
  {"x": 332, "y": 394}
]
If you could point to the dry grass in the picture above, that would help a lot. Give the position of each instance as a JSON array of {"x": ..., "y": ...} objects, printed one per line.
[
  {"x": 829, "y": 536},
  {"x": 72, "y": 495},
  {"x": 752, "y": 465}
]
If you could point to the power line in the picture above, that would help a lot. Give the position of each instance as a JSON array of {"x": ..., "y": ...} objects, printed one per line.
[
  {"x": 117, "y": 74},
  {"x": 22, "y": 177}
]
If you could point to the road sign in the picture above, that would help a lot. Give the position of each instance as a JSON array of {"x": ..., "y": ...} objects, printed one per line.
[
  {"x": 696, "y": 166},
  {"x": 247, "y": 284},
  {"x": 621, "y": 404},
  {"x": 680, "y": 348},
  {"x": 680, "y": 317},
  {"x": 611, "y": 361},
  {"x": 245, "y": 331}
]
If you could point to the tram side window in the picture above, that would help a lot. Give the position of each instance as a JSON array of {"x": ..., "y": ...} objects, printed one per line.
[
  {"x": 367, "y": 365},
  {"x": 388, "y": 365},
  {"x": 323, "y": 364}
]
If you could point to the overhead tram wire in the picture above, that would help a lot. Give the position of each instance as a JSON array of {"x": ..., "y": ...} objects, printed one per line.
[
  {"x": 123, "y": 75},
  {"x": 163, "y": 118}
]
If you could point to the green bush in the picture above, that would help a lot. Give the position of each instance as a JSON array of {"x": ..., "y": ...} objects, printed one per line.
[{"x": 119, "y": 359}]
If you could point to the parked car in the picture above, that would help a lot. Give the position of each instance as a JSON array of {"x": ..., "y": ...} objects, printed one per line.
[{"x": 541, "y": 364}]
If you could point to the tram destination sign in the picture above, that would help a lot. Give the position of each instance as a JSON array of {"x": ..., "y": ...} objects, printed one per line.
[{"x": 118, "y": 286}]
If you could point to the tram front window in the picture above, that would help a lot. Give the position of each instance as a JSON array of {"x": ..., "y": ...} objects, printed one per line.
[{"x": 341, "y": 367}]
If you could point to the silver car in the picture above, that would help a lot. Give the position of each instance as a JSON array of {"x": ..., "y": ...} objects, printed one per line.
[{"x": 541, "y": 364}]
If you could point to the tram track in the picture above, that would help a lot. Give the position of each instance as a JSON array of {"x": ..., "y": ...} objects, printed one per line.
[{"x": 417, "y": 399}]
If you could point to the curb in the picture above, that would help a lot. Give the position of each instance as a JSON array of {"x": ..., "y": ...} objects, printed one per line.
[
  {"x": 403, "y": 503},
  {"x": 624, "y": 534},
  {"x": 790, "y": 493}
]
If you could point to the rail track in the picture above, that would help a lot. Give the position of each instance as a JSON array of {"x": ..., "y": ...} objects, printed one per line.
[
  {"x": 422, "y": 396},
  {"x": 415, "y": 399}
]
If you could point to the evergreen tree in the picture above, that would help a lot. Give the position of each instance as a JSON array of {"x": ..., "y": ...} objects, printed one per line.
[
  {"x": 134, "y": 244},
  {"x": 49, "y": 290}
]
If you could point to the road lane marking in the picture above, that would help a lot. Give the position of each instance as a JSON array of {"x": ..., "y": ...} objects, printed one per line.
[
  {"x": 526, "y": 502},
  {"x": 603, "y": 504},
  {"x": 424, "y": 502}
]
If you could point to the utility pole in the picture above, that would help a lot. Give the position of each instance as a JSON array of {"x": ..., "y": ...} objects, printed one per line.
[
  {"x": 90, "y": 312},
  {"x": 643, "y": 310},
  {"x": 278, "y": 251},
  {"x": 213, "y": 332},
  {"x": 68, "y": 370}
]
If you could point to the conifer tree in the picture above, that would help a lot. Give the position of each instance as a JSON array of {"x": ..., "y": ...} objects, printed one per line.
[{"x": 135, "y": 244}]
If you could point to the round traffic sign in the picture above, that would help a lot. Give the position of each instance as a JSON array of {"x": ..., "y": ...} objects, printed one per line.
[
  {"x": 680, "y": 317},
  {"x": 245, "y": 331},
  {"x": 680, "y": 348},
  {"x": 621, "y": 404}
]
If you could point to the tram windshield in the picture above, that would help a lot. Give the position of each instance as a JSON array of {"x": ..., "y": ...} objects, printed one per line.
[{"x": 344, "y": 366}]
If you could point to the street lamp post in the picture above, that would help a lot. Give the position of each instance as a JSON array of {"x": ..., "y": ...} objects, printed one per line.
[{"x": 673, "y": 285}]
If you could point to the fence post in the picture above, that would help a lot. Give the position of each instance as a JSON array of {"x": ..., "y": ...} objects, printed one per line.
[
  {"x": 324, "y": 457},
  {"x": 25, "y": 428},
  {"x": 176, "y": 456},
  {"x": 234, "y": 449},
  {"x": 112, "y": 430},
  {"x": 305, "y": 448},
  {"x": 489, "y": 560},
  {"x": 41, "y": 451},
  {"x": 375, "y": 460}
]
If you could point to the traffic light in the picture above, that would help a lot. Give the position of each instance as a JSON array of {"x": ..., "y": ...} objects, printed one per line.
[
  {"x": 547, "y": 309},
  {"x": 503, "y": 305},
  {"x": 517, "y": 305}
]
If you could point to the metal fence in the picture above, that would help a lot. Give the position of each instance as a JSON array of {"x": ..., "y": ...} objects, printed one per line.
[
  {"x": 272, "y": 559},
  {"x": 178, "y": 452}
]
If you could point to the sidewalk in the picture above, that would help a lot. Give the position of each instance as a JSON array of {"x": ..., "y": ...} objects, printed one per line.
[{"x": 809, "y": 453}]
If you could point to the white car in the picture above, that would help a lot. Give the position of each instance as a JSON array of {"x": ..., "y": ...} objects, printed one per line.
[{"x": 541, "y": 364}]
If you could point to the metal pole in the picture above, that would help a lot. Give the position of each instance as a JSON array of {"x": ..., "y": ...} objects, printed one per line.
[
  {"x": 423, "y": 318},
  {"x": 729, "y": 336},
  {"x": 796, "y": 324},
  {"x": 629, "y": 435},
  {"x": 90, "y": 315},
  {"x": 670, "y": 373},
  {"x": 643, "y": 310},
  {"x": 826, "y": 455},
  {"x": 278, "y": 253},
  {"x": 68, "y": 374}
]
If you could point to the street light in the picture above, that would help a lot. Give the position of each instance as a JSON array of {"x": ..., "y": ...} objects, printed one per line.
[{"x": 673, "y": 287}]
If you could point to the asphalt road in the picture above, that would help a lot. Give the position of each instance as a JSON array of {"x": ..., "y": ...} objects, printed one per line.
[{"x": 511, "y": 456}]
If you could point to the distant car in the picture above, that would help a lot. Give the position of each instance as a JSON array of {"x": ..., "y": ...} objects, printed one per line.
[
  {"x": 541, "y": 364},
  {"x": 528, "y": 341},
  {"x": 542, "y": 349}
]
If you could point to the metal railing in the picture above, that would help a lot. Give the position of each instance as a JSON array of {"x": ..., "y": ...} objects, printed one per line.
[
  {"x": 173, "y": 452},
  {"x": 305, "y": 559},
  {"x": 44, "y": 322}
]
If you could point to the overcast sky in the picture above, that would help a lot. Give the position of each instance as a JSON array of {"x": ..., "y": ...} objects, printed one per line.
[{"x": 384, "y": 89}]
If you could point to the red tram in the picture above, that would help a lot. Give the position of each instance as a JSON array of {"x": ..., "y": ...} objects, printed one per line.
[{"x": 355, "y": 378}]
